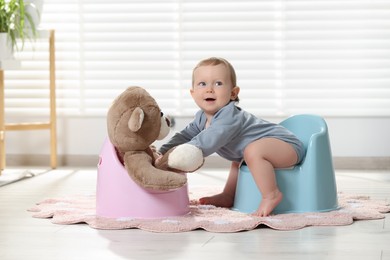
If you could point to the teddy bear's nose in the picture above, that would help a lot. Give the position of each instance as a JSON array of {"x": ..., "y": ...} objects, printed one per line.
[{"x": 168, "y": 121}]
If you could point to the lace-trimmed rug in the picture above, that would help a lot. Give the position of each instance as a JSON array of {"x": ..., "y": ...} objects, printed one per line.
[{"x": 81, "y": 209}]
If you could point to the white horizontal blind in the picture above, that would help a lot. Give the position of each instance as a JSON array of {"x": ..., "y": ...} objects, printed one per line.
[
  {"x": 27, "y": 88},
  {"x": 117, "y": 44},
  {"x": 328, "y": 57},
  {"x": 325, "y": 57}
]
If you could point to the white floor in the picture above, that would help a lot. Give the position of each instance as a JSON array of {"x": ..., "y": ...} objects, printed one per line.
[{"x": 24, "y": 237}]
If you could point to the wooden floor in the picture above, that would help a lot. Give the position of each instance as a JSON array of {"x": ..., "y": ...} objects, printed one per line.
[{"x": 24, "y": 237}]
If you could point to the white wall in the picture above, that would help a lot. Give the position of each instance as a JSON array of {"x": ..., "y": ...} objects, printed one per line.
[{"x": 350, "y": 137}]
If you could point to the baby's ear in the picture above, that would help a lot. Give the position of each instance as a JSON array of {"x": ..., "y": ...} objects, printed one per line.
[
  {"x": 136, "y": 119},
  {"x": 234, "y": 93}
]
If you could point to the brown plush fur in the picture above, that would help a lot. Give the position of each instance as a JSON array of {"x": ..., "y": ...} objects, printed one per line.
[{"x": 133, "y": 124}]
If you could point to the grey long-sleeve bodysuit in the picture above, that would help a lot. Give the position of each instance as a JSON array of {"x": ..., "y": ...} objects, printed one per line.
[{"x": 230, "y": 131}]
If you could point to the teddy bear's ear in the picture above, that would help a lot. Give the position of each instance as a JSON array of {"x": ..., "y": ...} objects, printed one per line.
[{"x": 136, "y": 119}]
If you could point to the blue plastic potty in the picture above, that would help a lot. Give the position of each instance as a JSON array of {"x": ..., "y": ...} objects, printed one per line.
[{"x": 307, "y": 187}]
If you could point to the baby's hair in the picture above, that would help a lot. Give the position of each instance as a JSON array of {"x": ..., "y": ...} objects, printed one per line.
[{"x": 214, "y": 61}]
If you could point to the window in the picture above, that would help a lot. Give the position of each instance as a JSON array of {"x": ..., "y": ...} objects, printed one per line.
[{"x": 330, "y": 58}]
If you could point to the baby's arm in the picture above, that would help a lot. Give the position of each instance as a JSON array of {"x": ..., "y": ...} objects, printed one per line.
[
  {"x": 179, "y": 156},
  {"x": 176, "y": 140},
  {"x": 189, "y": 156},
  {"x": 181, "y": 137},
  {"x": 216, "y": 136},
  {"x": 182, "y": 158}
]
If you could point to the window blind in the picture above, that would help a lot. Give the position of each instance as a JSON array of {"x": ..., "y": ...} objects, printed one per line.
[{"x": 326, "y": 57}]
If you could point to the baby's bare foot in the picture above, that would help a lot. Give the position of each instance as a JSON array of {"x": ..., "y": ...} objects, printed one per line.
[
  {"x": 219, "y": 200},
  {"x": 268, "y": 203}
]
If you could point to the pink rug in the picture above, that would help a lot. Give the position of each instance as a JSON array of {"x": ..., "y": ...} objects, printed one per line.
[{"x": 81, "y": 209}]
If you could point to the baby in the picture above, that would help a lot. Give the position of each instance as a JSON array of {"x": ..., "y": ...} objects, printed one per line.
[{"x": 236, "y": 135}]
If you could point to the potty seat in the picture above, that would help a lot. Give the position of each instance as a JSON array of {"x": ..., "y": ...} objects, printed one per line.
[
  {"x": 307, "y": 187},
  {"x": 118, "y": 196}
]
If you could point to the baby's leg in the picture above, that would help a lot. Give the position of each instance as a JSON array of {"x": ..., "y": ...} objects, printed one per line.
[
  {"x": 226, "y": 198},
  {"x": 262, "y": 156}
]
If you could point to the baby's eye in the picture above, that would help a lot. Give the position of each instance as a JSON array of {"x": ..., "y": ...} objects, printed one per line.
[
  {"x": 218, "y": 83},
  {"x": 201, "y": 84}
]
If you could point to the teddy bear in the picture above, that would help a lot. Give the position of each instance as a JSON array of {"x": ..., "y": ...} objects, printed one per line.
[{"x": 134, "y": 122}]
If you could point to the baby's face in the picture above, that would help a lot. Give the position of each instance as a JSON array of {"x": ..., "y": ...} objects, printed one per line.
[{"x": 212, "y": 88}]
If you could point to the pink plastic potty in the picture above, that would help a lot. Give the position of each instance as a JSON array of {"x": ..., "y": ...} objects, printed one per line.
[{"x": 117, "y": 195}]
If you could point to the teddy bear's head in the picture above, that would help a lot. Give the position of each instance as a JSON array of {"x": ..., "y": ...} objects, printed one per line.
[{"x": 135, "y": 121}]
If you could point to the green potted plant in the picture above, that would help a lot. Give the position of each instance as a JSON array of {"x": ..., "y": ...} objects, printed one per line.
[{"x": 15, "y": 23}]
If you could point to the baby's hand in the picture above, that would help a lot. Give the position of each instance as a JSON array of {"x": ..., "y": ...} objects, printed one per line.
[
  {"x": 161, "y": 163},
  {"x": 158, "y": 159},
  {"x": 156, "y": 154}
]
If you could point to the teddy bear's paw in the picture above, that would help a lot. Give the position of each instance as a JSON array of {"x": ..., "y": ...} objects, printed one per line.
[
  {"x": 186, "y": 158},
  {"x": 165, "y": 181}
]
